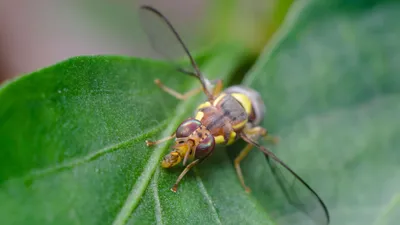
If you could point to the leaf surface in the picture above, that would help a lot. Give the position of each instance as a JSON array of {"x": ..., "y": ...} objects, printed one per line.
[{"x": 331, "y": 84}]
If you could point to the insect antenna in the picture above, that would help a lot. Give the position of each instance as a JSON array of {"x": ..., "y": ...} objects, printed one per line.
[
  {"x": 204, "y": 82},
  {"x": 318, "y": 216}
]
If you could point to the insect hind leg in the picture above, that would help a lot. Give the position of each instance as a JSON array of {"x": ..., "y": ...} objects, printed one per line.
[
  {"x": 254, "y": 132},
  {"x": 237, "y": 161}
]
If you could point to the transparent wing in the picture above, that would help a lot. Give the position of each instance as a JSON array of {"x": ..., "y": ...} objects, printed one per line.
[
  {"x": 163, "y": 37},
  {"x": 166, "y": 41},
  {"x": 296, "y": 191},
  {"x": 299, "y": 194}
]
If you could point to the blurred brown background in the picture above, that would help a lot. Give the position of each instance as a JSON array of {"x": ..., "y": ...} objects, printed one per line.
[{"x": 36, "y": 34}]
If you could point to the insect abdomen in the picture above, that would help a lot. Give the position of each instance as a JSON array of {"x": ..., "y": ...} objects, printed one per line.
[
  {"x": 257, "y": 111},
  {"x": 233, "y": 109}
]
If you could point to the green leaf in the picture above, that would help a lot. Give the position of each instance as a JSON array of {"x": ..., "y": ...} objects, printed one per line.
[
  {"x": 72, "y": 135},
  {"x": 73, "y": 149},
  {"x": 331, "y": 83}
]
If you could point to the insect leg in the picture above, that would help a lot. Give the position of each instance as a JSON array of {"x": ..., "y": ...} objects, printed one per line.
[
  {"x": 255, "y": 132},
  {"x": 237, "y": 161},
  {"x": 318, "y": 210},
  {"x": 188, "y": 167},
  {"x": 175, "y": 93},
  {"x": 188, "y": 152},
  {"x": 273, "y": 139},
  {"x": 151, "y": 143},
  {"x": 218, "y": 88}
]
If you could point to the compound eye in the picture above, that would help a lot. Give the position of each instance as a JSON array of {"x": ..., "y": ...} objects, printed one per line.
[
  {"x": 187, "y": 127},
  {"x": 205, "y": 147}
]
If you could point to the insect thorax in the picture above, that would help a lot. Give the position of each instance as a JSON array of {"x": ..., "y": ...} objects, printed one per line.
[{"x": 226, "y": 116}]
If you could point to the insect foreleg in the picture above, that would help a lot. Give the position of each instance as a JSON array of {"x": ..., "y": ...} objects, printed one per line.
[
  {"x": 188, "y": 167},
  {"x": 151, "y": 143}
]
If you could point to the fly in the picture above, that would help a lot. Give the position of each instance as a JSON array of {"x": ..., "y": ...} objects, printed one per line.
[{"x": 226, "y": 116}]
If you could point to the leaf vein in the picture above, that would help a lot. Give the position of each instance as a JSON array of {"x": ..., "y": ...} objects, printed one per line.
[
  {"x": 157, "y": 204},
  {"x": 142, "y": 182},
  {"x": 90, "y": 157},
  {"x": 395, "y": 200},
  {"x": 203, "y": 190}
]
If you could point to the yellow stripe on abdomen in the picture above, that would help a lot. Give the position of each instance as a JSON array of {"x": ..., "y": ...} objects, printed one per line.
[
  {"x": 221, "y": 140},
  {"x": 244, "y": 101}
]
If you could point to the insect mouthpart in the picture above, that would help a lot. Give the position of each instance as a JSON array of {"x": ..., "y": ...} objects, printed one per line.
[{"x": 173, "y": 158}]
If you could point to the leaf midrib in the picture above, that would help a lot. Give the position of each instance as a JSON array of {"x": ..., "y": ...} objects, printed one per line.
[
  {"x": 157, "y": 204},
  {"x": 204, "y": 192},
  {"x": 143, "y": 181}
]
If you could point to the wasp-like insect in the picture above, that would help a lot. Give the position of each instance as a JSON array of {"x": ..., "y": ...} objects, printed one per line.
[{"x": 227, "y": 115}]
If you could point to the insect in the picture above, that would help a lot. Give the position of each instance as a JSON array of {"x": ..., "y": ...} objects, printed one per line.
[{"x": 226, "y": 116}]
